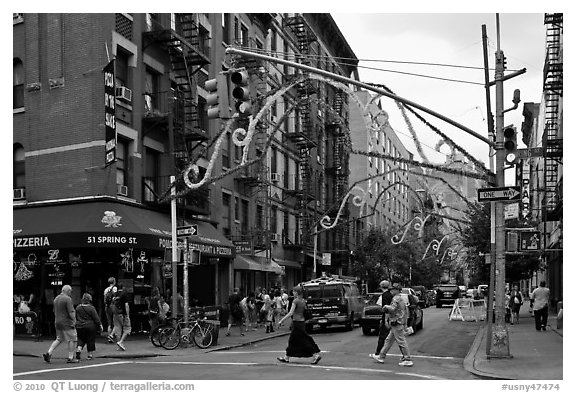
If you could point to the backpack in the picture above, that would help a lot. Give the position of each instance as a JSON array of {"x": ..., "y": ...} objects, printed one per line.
[
  {"x": 118, "y": 305},
  {"x": 412, "y": 300},
  {"x": 109, "y": 297}
]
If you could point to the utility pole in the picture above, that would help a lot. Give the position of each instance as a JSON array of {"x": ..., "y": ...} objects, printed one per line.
[{"x": 499, "y": 343}]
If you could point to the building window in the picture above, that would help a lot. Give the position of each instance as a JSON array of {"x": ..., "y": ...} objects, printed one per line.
[
  {"x": 19, "y": 171},
  {"x": 259, "y": 216},
  {"x": 236, "y": 29},
  {"x": 121, "y": 161},
  {"x": 226, "y": 28},
  {"x": 226, "y": 200},
  {"x": 151, "y": 96},
  {"x": 273, "y": 45},
  {"x": 244, "y": 35},
  {"x": 18, "y": 84},
  {"x": 245, "y": 215},
  {"x": 121, "y": 69},
  {"x": 274, "y": 220},
  {"x": 151, "y": 170},
  {"x": 237, "y": 208},
  {"x": 226, "y": 151}
]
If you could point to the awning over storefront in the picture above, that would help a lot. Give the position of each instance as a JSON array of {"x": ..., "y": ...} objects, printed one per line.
[
  {"x": 211, "y": 242},
  {"x": 287, "y": 263},
  {"x": 105, "y": 224},
  {"x": 245, "y": 262}
]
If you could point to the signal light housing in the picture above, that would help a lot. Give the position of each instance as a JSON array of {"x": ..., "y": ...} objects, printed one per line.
[
  {"x": 217, "y": 99},
  {"x": 510, "y": 144},
  {"x": 241, "y": 92}
]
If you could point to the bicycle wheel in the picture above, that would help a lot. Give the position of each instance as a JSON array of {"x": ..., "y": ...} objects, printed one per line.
[
  {"x": 170, "y": 337},
  {"x": 202, "y": 335}
]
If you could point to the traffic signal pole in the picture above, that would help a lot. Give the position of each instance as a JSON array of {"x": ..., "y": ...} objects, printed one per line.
[{"x": 499, "y": 343}]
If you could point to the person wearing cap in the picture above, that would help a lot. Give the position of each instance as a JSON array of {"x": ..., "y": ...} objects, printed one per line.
[
  {"x": 397, "y": 316},
  {"x": 384, "y": 328},
  {"x": 87, "y": 325}
]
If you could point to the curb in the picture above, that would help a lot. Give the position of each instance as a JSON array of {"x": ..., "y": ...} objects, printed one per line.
[
  {"x": 122, "y": 355},
  {"x": 469, "y": 360}
]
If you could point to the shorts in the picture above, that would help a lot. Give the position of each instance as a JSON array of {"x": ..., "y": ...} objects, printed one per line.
[
  {"x": 65, "y": 335},
  {"x": 121, "y": 325}
]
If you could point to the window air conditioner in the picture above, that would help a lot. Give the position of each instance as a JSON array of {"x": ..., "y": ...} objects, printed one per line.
[
  {"x": 19, "y": 193},
  {"x": 124, "y": 93},
  {"x": 122, "y": 190},
  {"x": 275, "y": 177},
  {"x": 274, "y": 237}
]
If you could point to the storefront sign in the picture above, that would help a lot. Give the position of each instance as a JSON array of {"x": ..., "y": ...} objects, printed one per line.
[
  {"x": 25, "y": 324},
  {"x": 110, "y": 113},
  {"x": 243, "y": 247}
]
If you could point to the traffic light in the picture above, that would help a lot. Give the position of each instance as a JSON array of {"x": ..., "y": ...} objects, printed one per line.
[
  {"x": 241, "y": 92},
  {"x": 510, "y": 144},
  {"x": 217, "y": 99}
]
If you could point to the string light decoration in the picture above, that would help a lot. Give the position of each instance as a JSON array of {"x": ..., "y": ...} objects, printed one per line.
[{"x": 374, "y": 121}]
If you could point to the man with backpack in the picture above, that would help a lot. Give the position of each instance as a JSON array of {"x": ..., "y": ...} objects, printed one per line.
[
  {"x": 109, "y": 294},
  {"x": 384, "y": 329},
  {"x": 121, "y": 309}
]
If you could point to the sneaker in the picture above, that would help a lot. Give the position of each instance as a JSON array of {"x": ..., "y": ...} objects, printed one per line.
[
  {"x": 406, "y": 363},
  {"x": 378, "y": 358},
  {"x": 73, "y": 360},
  {"x": 89, "y": 357},
  {"x": 110, "y": 338},
  {"x": 46, "y": 357},
  {"x": 316, "y": 359},
  {"x": 543, "y": 329},
  {"x": 283, "y": 360},
  {"x": 121, "y": 346},
  {"x": 78, "y": 355}
]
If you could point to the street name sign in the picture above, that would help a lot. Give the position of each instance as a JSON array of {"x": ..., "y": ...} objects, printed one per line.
[
  {"x": 187, "y": 230},
  {"x": 522, "y": 154},
  {"x": 511, "y": 193}
]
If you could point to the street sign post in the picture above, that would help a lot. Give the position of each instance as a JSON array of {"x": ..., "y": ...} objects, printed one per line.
[
  {"x": 187, "y": 230},
  {"x": 511, "y": 193}
]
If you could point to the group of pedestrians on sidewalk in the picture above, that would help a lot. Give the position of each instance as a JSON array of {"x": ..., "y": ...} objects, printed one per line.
[{"x": 78, "y": 327}]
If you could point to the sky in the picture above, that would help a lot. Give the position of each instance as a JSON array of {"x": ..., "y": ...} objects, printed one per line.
[{"x": 452, "y": 39}]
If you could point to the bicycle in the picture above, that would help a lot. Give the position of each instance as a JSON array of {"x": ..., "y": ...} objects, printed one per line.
[
  {"x": 157, "y": 331},
  {"x": 200, "y": 334}
]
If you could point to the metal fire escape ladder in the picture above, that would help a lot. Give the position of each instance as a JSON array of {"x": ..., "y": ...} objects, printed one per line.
[
  {"x": 183, "y": 46},
  {"x": 551, "y": 140},
  {"x": 304, "y": 138}
]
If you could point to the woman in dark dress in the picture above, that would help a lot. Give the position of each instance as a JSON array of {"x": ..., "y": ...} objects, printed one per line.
[{"x": 300, "y": 344}]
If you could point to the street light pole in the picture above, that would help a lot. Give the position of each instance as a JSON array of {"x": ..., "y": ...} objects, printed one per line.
[{"x": 499, "y": 344}]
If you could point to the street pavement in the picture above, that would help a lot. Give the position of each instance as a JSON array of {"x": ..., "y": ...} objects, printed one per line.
[{"x": 534, "y": 355}]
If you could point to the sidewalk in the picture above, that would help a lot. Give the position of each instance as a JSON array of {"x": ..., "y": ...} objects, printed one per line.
[
  {"x": 138, "y": 346},
  {"x": 535, "y": 355}
]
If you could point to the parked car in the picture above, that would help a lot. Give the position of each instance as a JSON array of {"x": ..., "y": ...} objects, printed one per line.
[
  {"x": 332, "y": 301},
  {"x": 482, "y": 291},
  {"x": 372, "y": 314},
  {"x": 447, "y": 294},
  {"x": 421, "y": 293}
]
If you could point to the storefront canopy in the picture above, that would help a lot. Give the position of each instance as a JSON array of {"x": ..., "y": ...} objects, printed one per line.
[
  {"x": 245, "y": 262},
  {"x": 287, "y": 263},
  {"x": 105, "y": 224}
]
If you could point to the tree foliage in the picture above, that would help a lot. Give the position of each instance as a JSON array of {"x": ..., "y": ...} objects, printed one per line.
[
  {"x": 377, "y": 258},
  {"x": 476, "y": 236}
]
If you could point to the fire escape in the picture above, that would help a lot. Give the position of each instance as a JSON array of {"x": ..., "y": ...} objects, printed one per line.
[
  {"x": 338, "y": 166},
  {"x": 187, "y": 50},
  {"x": 552, "y": 138},
  {"x": 304, "y": 136}
]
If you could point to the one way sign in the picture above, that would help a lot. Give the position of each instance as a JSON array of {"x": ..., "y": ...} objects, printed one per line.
[
  {"x": 493, "y": 194},
  {"x": 187, "y": 230}
]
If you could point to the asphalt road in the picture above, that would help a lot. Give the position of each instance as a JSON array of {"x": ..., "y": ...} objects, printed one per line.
[{"x": 438, "y": 351}]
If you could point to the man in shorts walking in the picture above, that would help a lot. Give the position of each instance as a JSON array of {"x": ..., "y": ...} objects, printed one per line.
[{"x": 65, "y": 324}]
